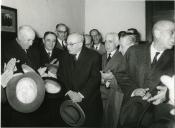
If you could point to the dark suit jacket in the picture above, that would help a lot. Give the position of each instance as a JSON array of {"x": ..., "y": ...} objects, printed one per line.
[
  {"x": 44, "y": 57},
  {"x": 84, "y": 77},
  {"x": 101, "y": 50},
  {"x": 14, "y": 50},
  {"x": 58, "y": 45},
  {"x": 139, "y": 68},
  {"x": 112, "y": 98}
]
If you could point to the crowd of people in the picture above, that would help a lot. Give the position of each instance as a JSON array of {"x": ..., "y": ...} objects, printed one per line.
[{"x": 119, "y": 82}]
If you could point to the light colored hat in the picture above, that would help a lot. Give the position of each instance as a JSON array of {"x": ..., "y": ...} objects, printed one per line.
[{"x": 25, "y": 93}]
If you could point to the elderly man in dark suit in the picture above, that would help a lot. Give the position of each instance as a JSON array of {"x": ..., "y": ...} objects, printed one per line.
[
  {"x": 79, "y": 72},
  {"x": 19, "y": 48},
  {"x": 112, "y": 96},
  {"x": 146, "y": 64}
]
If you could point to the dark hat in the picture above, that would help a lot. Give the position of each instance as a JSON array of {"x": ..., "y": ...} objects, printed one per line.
[
  {"x": 25, "y": 93},
  {"x": 52, "y": 86},
  {"x": 72, "y": 113},
  {"x": 52, "y": 68},
  {"x": 133, "y": 111}
]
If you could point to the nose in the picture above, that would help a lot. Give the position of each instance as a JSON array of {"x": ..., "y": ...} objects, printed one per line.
[{"x": 30, "y": 42}]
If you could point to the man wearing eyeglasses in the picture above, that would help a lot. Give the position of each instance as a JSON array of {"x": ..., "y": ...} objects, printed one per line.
[
  {"x": 79, "y": 72},
  {"x": 62, "y": 33}
]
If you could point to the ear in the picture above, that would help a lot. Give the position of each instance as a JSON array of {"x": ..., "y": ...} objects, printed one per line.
[{"x": 157, "y": 33}]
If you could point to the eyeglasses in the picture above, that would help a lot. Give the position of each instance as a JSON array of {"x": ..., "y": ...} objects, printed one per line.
[
  {"x": 72, "y": 44},
  {"x": 62, "y": 31}
]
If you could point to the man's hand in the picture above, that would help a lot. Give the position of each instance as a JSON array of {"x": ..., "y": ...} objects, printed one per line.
[
  {"x": 55, "y": 62},
  {"x": 42, "y": 71},
  {"x": 5, "y": 77},
  {"x": 160, "y": 97},
  {"x": 169, "y": 82},
  {"x": 74, "y": 96},
  {"x": 10, "y": 65},
  {"x": 107, "y": 75},
  {"x": 139, "y": 92}
]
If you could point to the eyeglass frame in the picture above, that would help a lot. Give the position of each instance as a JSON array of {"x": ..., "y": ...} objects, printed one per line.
[{"x": 72, "y": 44}]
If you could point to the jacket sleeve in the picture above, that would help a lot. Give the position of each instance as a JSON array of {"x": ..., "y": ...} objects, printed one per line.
[{"x": 93, "y": 84}]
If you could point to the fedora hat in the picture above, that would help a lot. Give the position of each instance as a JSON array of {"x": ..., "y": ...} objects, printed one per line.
[
  {"x": 52, "y": 86},
  {"x": 72, "y": 113},
  {"x": 27, "y": 68},
  {"x": 25, "y": 93}
]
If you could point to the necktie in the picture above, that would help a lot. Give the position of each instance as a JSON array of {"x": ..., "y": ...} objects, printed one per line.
[
  {"x": 109, "y": 57},
  {"x": 62, "y": 43},
  {"x": 49, "y": 53},
  {"x": 64, "y": 47},
  {"x": 155, "y": 59}
]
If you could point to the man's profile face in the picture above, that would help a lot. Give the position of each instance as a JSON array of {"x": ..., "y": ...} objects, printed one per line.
[
  {"x": 74, "y": 44},
  {"x": 110, "y": 45},
  {"x": 49, "y": 42},
  {"x": 61, "y": 32},
  {"x": 26, "y": 40},
  {"x": 124, "y": 43},
  {"x": 167, "y": 37},
  {"x": 95, "y": 37}
]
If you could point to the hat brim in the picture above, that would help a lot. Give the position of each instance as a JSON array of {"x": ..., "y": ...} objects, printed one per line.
[
  {"x": 52, "y": 86},
  {"x": 13, "y": 100},
  {"x": 76, "y": 107}
]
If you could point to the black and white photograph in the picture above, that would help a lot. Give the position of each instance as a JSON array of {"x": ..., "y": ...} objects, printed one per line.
[{"x": 88, "y": 63}]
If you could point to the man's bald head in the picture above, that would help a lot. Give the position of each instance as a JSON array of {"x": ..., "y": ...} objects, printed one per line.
[
  {"x": 75, "y": 43},
  {"x": 164, "y": 34},
  {"x": 26, "y": 35}
]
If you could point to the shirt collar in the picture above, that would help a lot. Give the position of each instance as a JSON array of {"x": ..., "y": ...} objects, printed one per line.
[
  {"x": 112, "y": 53},
  {"x": 60, "y": 41},
  {"x": 97, "y": 45},
  {"x": 48, "y": 51},
  {"x": 154, "y": 50}
]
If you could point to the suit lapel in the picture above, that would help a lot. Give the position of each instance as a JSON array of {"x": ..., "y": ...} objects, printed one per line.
[{"x": 111, "y": 62}]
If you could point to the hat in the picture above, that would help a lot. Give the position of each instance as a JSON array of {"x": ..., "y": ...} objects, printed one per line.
[
  {"x": 27, "y": 68},
  {"x": 25, "y": 93},
  {"x": 52, "y": 68},
  {"x": 52, "y": 86},
  {"x": 72, "y": 113}
]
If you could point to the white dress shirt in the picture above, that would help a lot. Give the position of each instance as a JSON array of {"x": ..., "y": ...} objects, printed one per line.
[{"x": 153, "y": 52}]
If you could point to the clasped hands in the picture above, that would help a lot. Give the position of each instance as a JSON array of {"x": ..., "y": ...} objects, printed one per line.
[
  {"x": 160, "y": 97},
  {"x": 74, "y": 96},
  {"x": 51, "y": 71}
]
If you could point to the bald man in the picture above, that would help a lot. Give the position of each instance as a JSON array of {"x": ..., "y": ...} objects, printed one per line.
[
  {"x": 80, "y": 74},
  {"x": 147, "y": 106},
  {"x": 18, "y": 48}
]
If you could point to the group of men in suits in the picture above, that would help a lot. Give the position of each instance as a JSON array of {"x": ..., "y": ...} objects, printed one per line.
[{"x": 114, "y": 88}]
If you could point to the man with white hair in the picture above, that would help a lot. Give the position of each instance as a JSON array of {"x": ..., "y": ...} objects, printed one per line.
[
  {"x": 18, "y": 48},
  {"x": 146, "y": 64},
  {"x": 112, "y": 96},
  {"x": 79, "y": 71}
]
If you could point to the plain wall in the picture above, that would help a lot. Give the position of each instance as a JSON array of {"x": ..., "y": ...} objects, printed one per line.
[
  {"x": 43, "y": 15},
  {"x": 115, "y": 15}
]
